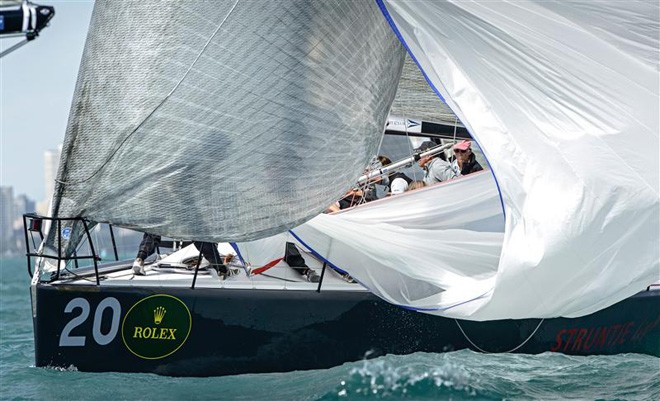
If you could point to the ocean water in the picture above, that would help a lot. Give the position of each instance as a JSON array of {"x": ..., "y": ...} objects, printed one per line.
[{"x": 461, "y": 375}]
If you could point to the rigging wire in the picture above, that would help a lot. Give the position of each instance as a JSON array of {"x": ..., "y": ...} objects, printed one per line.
[
  {"x": 114, "y": 152},
  {"x": 14, "y": 47}
]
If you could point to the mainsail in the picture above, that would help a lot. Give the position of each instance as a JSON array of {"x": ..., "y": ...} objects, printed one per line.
[{"x": 415, "y": 98}]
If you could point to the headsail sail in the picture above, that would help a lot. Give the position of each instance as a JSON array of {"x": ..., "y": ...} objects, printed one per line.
[
  {"x": 213, "y": 121},
  {"x": 563, "y": 99}
]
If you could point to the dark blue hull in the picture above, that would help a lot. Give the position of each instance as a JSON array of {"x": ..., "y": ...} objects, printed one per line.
[{"x": 209, "y": 332}]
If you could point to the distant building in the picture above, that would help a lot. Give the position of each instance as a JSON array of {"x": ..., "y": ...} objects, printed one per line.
[
  {"x": 51, "y": 164},
  {"x": 22, "y": 205},
  {"x": 6, "y": 220}
]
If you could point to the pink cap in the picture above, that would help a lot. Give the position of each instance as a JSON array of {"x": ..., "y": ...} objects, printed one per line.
[{"x": 463, "y": 145}]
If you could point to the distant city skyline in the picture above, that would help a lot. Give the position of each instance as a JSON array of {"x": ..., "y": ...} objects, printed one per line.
[
  {"x": 36, "y": 90},
  {"x": 13, "y": 205},
  {"x": 12, "y": 235},
  {"x": 12, "y": 208}
]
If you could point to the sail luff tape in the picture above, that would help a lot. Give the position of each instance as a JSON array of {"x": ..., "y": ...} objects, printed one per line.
[{"x": 395, "y": 28}]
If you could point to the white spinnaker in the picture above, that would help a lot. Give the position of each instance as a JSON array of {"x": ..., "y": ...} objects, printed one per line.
[
  {"x": 435, "y": 249},
  {"x": 563, "y": 99}
]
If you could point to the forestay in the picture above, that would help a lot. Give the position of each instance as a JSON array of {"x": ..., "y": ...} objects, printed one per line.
[{"x": 563, "y": 99}]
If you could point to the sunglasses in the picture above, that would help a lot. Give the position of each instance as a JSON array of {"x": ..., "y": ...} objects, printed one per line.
[{"x": 459, "y": 151}]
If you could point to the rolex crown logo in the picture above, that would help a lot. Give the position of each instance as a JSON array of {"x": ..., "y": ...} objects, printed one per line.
[{"x": 159, "y": 313}]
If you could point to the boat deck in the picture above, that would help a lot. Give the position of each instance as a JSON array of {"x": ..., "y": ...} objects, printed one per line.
[{"x": 169, "y": 271}]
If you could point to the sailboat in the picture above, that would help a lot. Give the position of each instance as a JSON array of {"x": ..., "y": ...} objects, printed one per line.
[{"x": 240, "y": 122}]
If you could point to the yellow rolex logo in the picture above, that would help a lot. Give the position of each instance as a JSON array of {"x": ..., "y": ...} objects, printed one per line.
[
  {"x": 159, "y": 313},
  {"x": 148, "y": 335}
]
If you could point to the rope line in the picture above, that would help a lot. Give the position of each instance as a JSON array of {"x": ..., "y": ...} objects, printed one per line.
[{"x": 502, "y": 352}]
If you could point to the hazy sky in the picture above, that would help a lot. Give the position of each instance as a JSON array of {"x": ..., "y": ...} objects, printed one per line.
[{"x": 36, "y": 88}]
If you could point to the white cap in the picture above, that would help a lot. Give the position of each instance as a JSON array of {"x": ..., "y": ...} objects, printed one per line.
[{"x": 398, "y": 186}]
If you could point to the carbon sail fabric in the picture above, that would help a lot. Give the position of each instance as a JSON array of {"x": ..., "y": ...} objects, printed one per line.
[
  {"x": 563, "y": 100},
  {"x": 415, "y": 98},
  {"x": 224, "y": 120}
]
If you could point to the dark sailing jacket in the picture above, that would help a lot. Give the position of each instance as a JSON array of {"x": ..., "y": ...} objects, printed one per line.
[
  {"x": 472, "y": 165},
  {"x": 400, "y": 175}
]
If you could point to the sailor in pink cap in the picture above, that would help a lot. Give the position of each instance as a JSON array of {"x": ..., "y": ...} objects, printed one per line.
[
  {"x": 464, "y": 160},
  {"x": 436, "y": 167}
]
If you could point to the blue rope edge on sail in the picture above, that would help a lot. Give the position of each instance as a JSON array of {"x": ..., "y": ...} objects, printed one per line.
[
  {"x": 238, "y": 253},
  {"x": 388, "y": 17}
]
